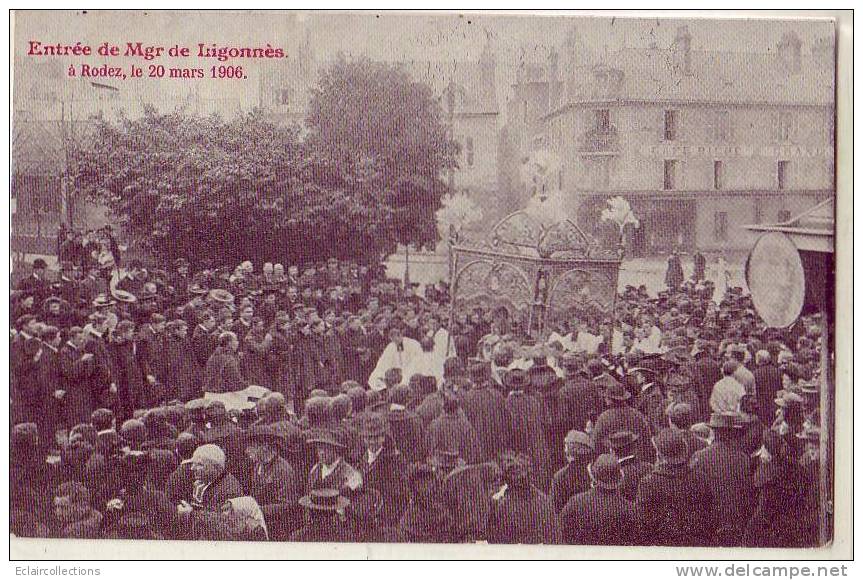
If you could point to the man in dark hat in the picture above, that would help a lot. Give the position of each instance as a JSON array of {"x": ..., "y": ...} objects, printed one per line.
[
  {"x": 363, "y": 516},
  {"x": 181, "y": 478},
  {"x": 331, "y": 470},
  {"x": 25, "y": 355},
  {"x": 601, "y": 515},
  {"x": 726, "y": 469},
  {"x": 224, "y": 432},
  {"x": 528, "y": 437},
  {"x": 649, "y": 398},
  {"x": 383, "y": 467},
  {"x": 452, "y": 430},
  {"x": 579, "y": 398},
  {"x": 485, "y": 409},
  {"x": 619, "y": 416},
  {"x": 520, "y": 513},
  {"x": 180, "y": 279},
  {"x": 624, "y": 445},
  {"x": 406, "y": 427},
  {"x": 674, "y": 274},
  {"x": 573, "y": 478},
  {"x": 130, "y": 372},
  {"x": 182, "y": 374},
  {"x": 273, "y": 482},
  {"x": 204, "y": 340},
  {"x": 223, "y": 367},
  {"x": 325, "y": 508},
  {"x": 675, "y": 507},
  {"x": 704, "y": 370},
  {"x": 36, "y": 284},
  {"x": 81, "y": 387},
  {"x": 768, "y": 381}
]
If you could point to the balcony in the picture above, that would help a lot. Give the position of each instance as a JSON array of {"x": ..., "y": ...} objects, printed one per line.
[{"x": 599, "y": 141}]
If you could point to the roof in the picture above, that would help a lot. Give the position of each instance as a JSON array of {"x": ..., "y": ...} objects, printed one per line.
[
  {"x": 813, "y": 230},
  {"x": 473, "y": 96},
  {"x": 657, "y": 75}
]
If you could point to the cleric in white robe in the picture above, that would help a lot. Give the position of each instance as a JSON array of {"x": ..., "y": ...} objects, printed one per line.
[
  {"x": 443, "y": 348},
  {"x": 401, "y": 353}
]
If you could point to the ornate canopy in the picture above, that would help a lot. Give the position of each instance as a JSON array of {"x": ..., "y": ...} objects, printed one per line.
[{"x": 537, "y": 271}]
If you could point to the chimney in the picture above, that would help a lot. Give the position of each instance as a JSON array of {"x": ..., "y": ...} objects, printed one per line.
[
  {"x": 488, "y": 70},
  {"x": 789, "y": 49},
  {"x": 572, "y": 59},
  {"x": 553, "y": 81},
  {"x": 682, "y": 49}
]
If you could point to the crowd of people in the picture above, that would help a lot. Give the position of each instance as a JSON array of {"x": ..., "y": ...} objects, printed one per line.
[{"x": 379, "y": 415}]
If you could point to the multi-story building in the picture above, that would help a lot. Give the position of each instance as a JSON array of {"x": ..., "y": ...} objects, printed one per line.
[
  {"x": 700, "y": 142},
  {"x": 53, "y": 113}
]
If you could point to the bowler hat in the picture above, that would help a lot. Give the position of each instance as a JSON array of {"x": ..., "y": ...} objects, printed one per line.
[
  {"x": 221, "y": 295},
  {"x": 621, "y": 439},
  {"x": 216, "y": 410},
  {"x": 613, "y": 389},
  {"x": 266, "y": 434},
  {"x": 516, "y": 379},
  {"x": 103, "y": 300},
  {"x": 605, "y": 472},
  {"x": 543, "y": 378},
  {"x": 123, "y": 296},
  {"x": 324, "y": 437},
  {"x": 671, "y": 446},
  {"x": 375, "y": 425},
  {"x": 327, "y": 500},
  {"x": 25, "y": 435},
  {"x": 447, "y": 459},
  {"x": 679, "y": 379}
]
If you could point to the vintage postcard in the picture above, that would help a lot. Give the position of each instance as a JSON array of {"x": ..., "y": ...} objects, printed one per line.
[{"x": 310, "y": 281}]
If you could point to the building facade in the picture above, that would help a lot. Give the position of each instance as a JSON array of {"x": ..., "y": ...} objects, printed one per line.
[{"x": 701, "y": 143}]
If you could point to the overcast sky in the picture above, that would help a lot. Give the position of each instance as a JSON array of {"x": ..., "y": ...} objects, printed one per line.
[{"x": 395, "y": 36}]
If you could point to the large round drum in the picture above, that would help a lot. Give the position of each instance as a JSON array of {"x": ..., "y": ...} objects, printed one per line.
[{"x": 776, "y": 279}]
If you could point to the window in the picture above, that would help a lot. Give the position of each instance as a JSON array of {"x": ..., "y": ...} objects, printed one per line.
[
  {"x": 722, "y": 126},
  {"x": 717, "y": 175},
  {"x": 759, "y": 211},
  {"x": 720, "y": 226},
  {"x": 784, "y": 215},
  {"x": 602, "y": 120},
  {"x": 469, "y": 150},
  {"x": 670, "y": 170},
  {"x": 670, "y": 125},
  {"x": 285, "y": 96},
  {"x": 782, "y": 174},
  {"x": 784, "y": 127}
]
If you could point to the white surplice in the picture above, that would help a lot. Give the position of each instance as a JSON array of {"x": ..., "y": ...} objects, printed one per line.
[{"x": 410, "y": 359}]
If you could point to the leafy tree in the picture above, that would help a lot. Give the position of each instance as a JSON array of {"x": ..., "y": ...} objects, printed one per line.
[
  {"x": 225, "y": 191},
  {"x": 372, "y": 115},
  {"x": 367, "y": 176}
]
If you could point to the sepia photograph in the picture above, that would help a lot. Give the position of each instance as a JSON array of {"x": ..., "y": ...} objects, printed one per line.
[{"x": 413, "y": 278}]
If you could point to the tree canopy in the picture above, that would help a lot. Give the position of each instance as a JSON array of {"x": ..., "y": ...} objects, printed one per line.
[{"x": 367, "y": 174}]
